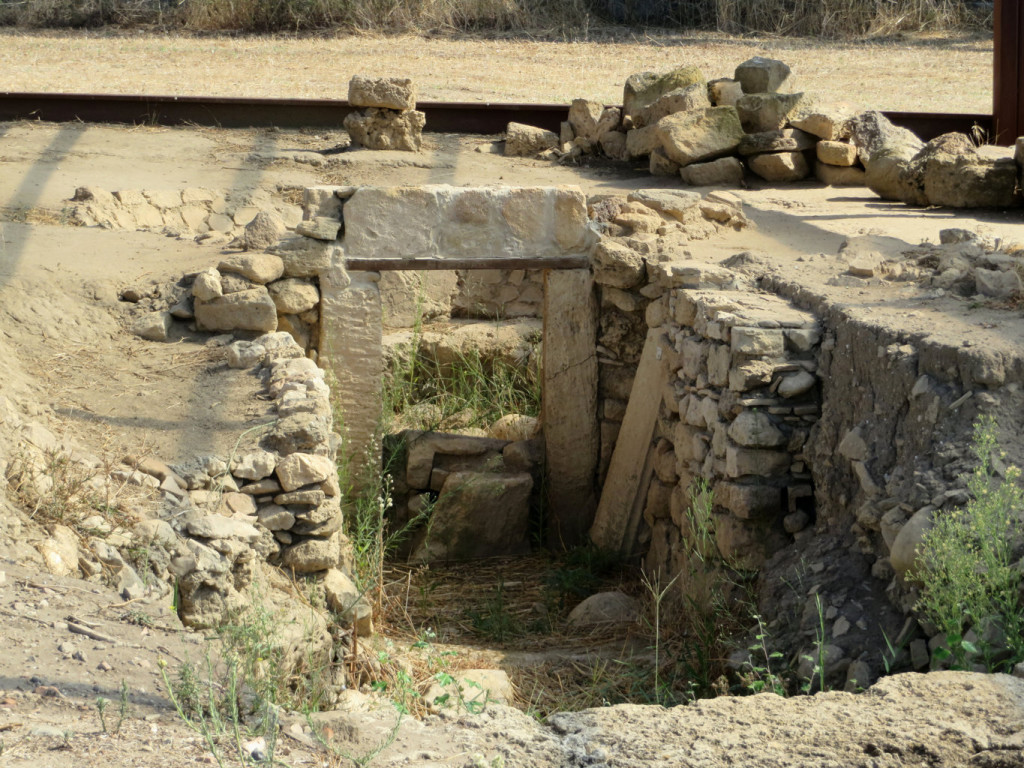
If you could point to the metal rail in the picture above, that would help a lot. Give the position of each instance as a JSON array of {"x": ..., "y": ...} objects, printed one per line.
[{"x": 442, "y": 117}]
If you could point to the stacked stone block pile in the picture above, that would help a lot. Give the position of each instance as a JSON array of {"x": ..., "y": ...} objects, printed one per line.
[
  {"x": 712, "y": 133},
  {"x": 386, "y": 117}
]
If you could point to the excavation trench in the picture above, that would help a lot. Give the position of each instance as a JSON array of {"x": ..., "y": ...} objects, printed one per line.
[{"x": 755, "y": 447}]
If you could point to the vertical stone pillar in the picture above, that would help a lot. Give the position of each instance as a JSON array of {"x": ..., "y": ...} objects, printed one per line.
[
  {"x": 569, "y": 407},
  {"x": 350, "y": 349}
]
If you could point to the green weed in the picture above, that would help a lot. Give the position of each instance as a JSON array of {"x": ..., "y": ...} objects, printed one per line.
[{"x": 967, "y": 569}]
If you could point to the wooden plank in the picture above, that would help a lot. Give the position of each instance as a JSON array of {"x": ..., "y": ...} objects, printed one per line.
[
  {"x": 629, "y": 473},
  {"x": 548, "y": 262},
  {"x": 571, "y": 436},
  {"x": 1008, "y": 71}
]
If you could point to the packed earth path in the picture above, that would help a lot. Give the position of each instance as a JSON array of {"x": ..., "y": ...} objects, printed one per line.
[{"x": 905, "y": 73}]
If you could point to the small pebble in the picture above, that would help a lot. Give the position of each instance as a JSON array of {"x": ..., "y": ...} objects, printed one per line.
[{"x": 104, "y": 667}]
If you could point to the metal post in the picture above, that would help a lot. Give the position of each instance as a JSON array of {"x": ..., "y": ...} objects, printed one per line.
[{"x": 1008, "y": 71}]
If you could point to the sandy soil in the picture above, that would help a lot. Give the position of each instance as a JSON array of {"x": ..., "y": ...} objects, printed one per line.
[{"x": 910, "y": 74}]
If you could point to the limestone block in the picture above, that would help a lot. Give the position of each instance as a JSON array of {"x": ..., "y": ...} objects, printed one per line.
[
  {"x": 640, "y": 142},
  {"x": 306, "y": 257},
  {"x": 719, "y": 358},
  {"x": 801, "y": 339},
  {"x": 220, "y": 527},
  {"x": 319, "y": 228},
  {"x": 436, "y": 221},
  {"x": 312, "y": 555},
  {"x": 766, "y": 111},
  {"x": 740, "y": 542},
  {"x": 605, "y": 608},
  {"x": 693, "y": 137},
  {"x": 613, "y": 144},
  {"x": 755, "y": 429},
  {"x": 345, "y": 599},
  {"x": 384, "y": 92},
  {"x": 904, "y": 551},
  {"x": 251, "y": 310},
  {"x": 293, "y": 296},
  {"x": 837, "y": 153},
  {"x": 610, "y": 120},
  {"x": 725, "y": 171},
  {"x": 872, "y": 132},
  {"x": 725, "y": 92},
  {"x": 853, "y": 446},
  {"x": 526, "y": 140},
  {"x": 384, "y": 129},
  {"x": 782, "y": 140},
  {"x": 750, "y": 375},
  {"x": 660, "y": 165},
  {"x": 254, "y": 465},
  {"x": 321, "y": 201},
  {"x": 153, "y": 326},
  {"x": 321, "y": 521},
  {"x": 260, "y": 268},
  {"x": 584, "y": 117},
  {"x": 757, "y": 342},
  {"x": 761, "y": 75},
  {"x": 748, "y": 501},
  {"x": 617, "y": 266},
  {"x": 796, "y": 384},
  {"x": 478, "y": 515},
  {"x": 423, "y": 447},
  {"x": 675, "y": 203},
  {"x": 740, "y": 462},
  {"x": 299, "y": 469},
  {"x": 685, "y": 99},
  {"x": 835, "y": 176},
  {"x": 828, "y": 123},
  {"x": 207, "y": 285},
  {"x": 275, "y": 518},
  {"x": 998, "y": 284},
  {"x": 780, "y": 166},
  {"x": 644, "y": 88}
]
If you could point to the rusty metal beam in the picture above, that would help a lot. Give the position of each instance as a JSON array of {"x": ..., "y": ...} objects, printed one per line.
[
  {"x": 550, "y": 262},
  {"x": 442, "y": 117},
  {"x": 1008, "y": 71},
  {"x": 245, "y": 113}
]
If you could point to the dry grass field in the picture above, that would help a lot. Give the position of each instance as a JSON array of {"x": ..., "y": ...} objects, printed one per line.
[{"x": 933, "y": 74}]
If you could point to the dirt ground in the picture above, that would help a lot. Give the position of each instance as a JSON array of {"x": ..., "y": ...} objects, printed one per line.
[
  {"x": 924, "y": 74},
  {"x": 65, "y": 354}
]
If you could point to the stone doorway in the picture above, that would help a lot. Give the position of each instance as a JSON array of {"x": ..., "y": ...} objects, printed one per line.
[{"x": 500, "y": 228}]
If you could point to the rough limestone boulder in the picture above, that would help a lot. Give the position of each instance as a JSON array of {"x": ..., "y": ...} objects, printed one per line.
[
  {"x": 694, "y": 137},
  {"x": 872, "y": 132},
  {"x": 785, "y": 140},
  {"x": 378, "y": 128},
  {"x": 248, "y": 310},
  {"x": 478, "y": 515},
  {"x": 766, "y": 111},
  {"x": 780, "y": 166},
  {"x": 727, "y": 171},
  {"x": 397, "y": 93},
  {"x": 761, "y": 75},
  {"x": 644, "y": 88},
  {"x": 949, "y": 171},
  {"x": 523, "y": 140},
  {"x": 679, "y": 100}
]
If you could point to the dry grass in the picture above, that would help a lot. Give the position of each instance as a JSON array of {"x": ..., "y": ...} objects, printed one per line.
[{"x": 921, "y": 73}]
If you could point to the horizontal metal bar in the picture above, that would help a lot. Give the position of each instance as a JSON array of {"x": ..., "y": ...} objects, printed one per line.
[
  {"x": 497, "y": 262},
  {"x": 928, "y": 125},
  {"x": 225, "y": 112},
  {"x": 443, "y": 117}
]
